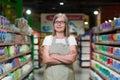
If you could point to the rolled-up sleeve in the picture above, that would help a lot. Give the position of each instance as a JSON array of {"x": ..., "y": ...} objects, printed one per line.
[
  {"x": 47, "y": 41},
  {"x": 72, "y": 40}
]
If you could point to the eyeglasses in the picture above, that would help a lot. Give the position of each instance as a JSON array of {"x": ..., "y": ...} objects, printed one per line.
[{"x": 59, "y": 22}]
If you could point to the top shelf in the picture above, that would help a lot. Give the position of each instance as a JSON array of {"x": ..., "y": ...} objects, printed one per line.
[
  {"x": 10, "y": 31},
  {"x": 85, "y": 39},
  {"x": 108, "y": 43},
  {"x": 114, "y": 29},
  {"x": 9, "y": 44}
]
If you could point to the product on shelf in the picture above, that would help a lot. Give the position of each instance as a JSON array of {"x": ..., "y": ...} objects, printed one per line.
[
  {"x": 15, "y": 51},
  {"x": 84, "y": 50},
  {"x": 105, "y": 51}
]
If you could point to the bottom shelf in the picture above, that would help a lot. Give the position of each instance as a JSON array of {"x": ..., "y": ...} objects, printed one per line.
[
  {"x": 95, "y": 76},
  {"x": 36, "y": 64},
  {"x": 20, "y": 72},
  {"x": 85, "y": 64},
  {"x": 26, "y": 74}
]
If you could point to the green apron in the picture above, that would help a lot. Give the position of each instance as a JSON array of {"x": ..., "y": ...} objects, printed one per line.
[{"x": 59, "y": 71}]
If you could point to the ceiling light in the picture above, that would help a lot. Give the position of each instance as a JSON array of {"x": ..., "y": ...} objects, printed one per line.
[
  {"x": 28, "y": 11},
  {"x": 109, "y": 20},
  {"x": 115, "y": 18},
  {"x": 61, "y": 3},
  {"x": 96, "y": 12},
  {"x": 106, "y": 21},
  {"x": 86, "y": 23}
]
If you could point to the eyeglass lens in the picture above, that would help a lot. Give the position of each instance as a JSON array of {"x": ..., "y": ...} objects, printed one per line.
[{"x": 59, "y": 22}]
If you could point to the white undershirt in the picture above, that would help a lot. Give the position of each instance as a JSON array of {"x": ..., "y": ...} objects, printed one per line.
[{"x": 48, "y": 40}]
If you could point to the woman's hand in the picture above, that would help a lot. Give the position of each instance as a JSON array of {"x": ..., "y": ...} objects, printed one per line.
[{"x": 47, "y": 58}]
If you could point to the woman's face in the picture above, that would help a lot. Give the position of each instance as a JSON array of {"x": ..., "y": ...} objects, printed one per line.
[{"x": 59, "y": 24}]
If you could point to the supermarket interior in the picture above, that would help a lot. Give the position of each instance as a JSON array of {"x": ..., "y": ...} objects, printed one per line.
[{"x": 28, "y": 29}]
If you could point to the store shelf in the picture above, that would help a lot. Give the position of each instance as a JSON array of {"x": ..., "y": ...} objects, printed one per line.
[
  {"x": 3, "y": 75},
  {"x": 108, "y": 43},
  {"x": 22, "y": 43},
  {"x": 10, "y": 44},
  {"x": 94, "y": 75},
  {"x": 85, "y": 45},
  {"x": 85, "y": 39},
  {"x": 105, "y": 45},
  {"x": 15, "y": 47},
  {"x": 107, "y": 66},
  {"x": 10, "y": 31},
  {"x": 6, "y": 44},
  {"x": 24, "y": 75},
  {"x": 17, "y": 55},
  {"x": 109, "y": 30},
  {"x": 85, "y": 59},
  {"x": 84, "y": 52},
  {"x": 85, "y": 64},
  {"x": 106, "y": 31},
  {"x": 100, "y": 74},
  {"x": 36, "y": 49},
  {"x": 112, "y": 56}
]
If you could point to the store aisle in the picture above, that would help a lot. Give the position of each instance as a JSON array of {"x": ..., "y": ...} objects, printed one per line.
[{"x": 80, "y": 73}]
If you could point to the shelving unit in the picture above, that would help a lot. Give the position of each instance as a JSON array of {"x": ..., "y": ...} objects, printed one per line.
[
  {"x": 84, "y": 46},
  {"x": 105, "y": 52},
  {"x": 15, "y": 54},
  {"x": 36, "y": 49}
]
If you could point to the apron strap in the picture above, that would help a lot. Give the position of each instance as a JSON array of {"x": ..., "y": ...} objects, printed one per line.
[
  {"x": 53, "y": 40},
  {"x": 66, "y": 39}
]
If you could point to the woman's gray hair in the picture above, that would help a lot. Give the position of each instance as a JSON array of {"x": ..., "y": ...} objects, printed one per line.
[{"x": 66, "y": 31}]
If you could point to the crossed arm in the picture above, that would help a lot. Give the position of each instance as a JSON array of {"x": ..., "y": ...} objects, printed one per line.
[{"x": 59, "y": 59}]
